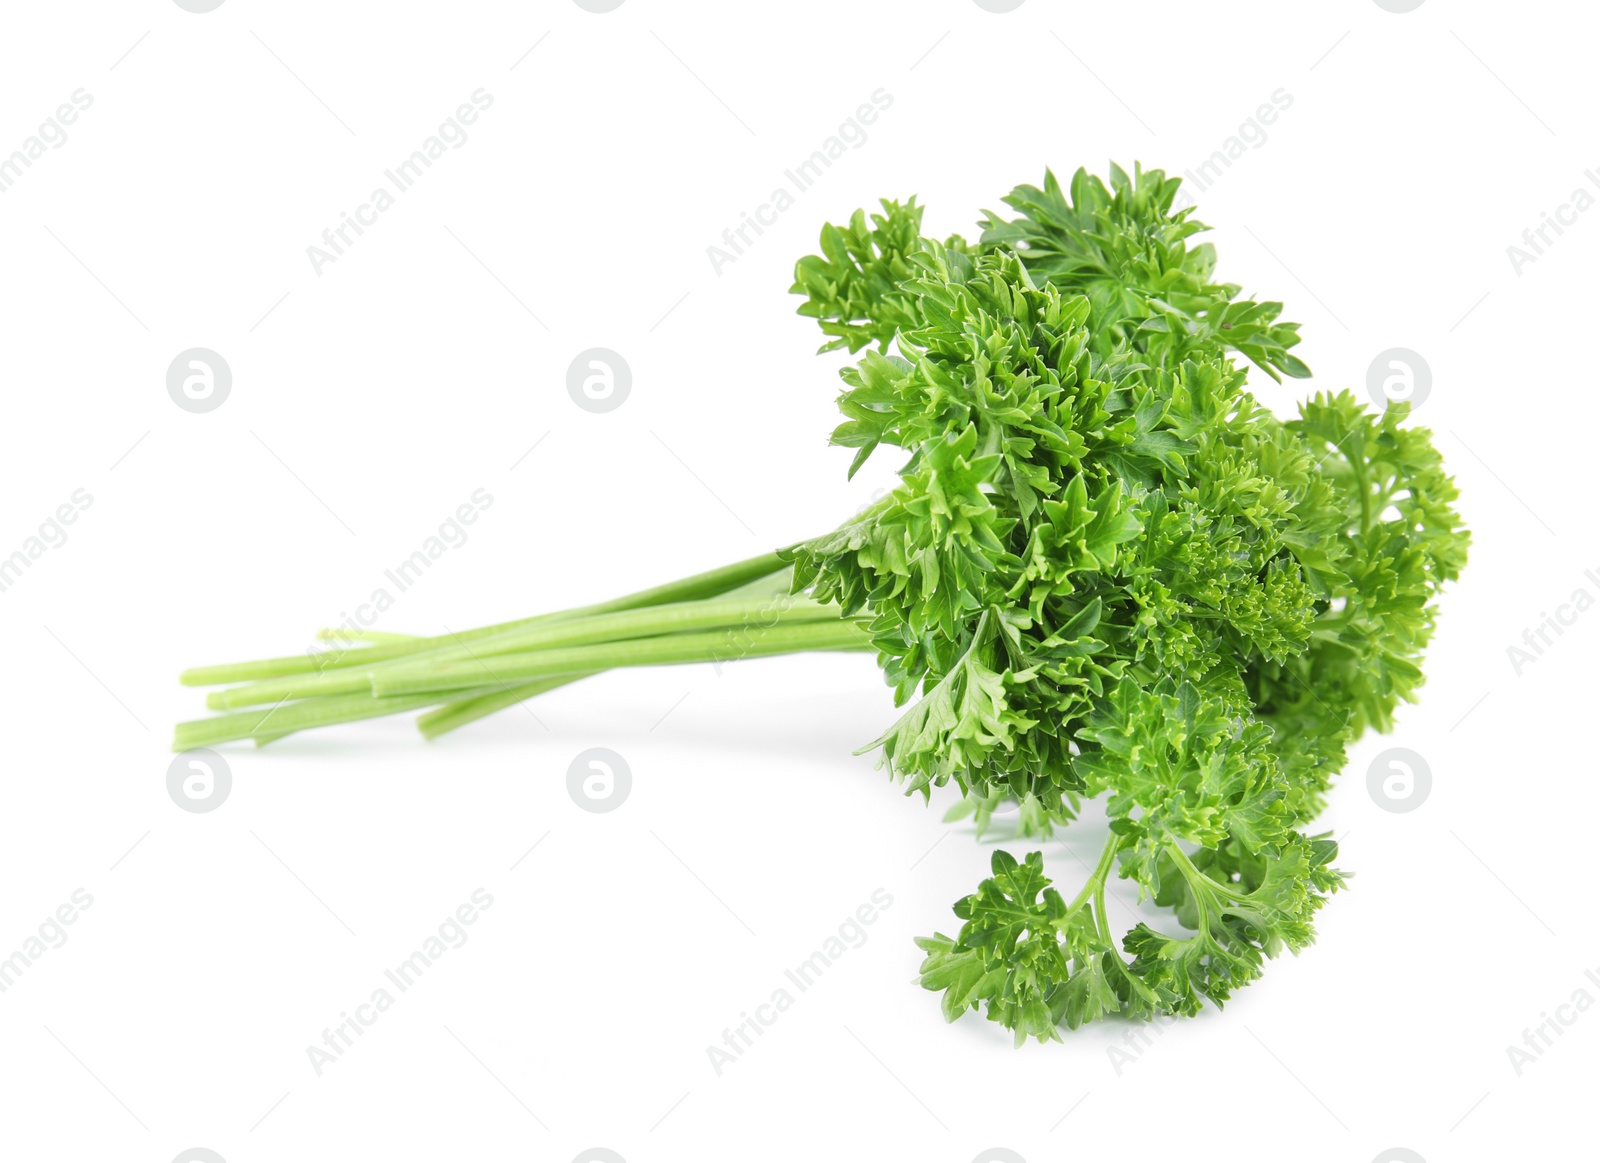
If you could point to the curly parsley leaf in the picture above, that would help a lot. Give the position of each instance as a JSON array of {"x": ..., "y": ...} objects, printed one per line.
[{"x": 1109, "y": 572}]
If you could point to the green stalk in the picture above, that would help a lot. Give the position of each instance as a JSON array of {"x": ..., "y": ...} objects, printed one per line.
[
  {"x": 463, "y": 711},
  {"x": 712, "y": 583},
  {"x": 459, "y": 713},
  {"x": 276, "y": 722},
  {"x": 456, "y": 714},
  {"x": 1199, "y": 880},
  {"x": 1097, "y": 879},
  {"x": 640, "y": 623},
  {"x": 713, "y": 646},
  {"x": 344, "y": 634},
  {"x": 514, "y": 680}
]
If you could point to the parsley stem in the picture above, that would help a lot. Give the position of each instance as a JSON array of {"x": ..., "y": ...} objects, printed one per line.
[
  {"x": 677, "y": 617},
  {"x": 1097, "y": 878},
  {"x": 473, "y": 689},
  {"x": 462, "y": 711},
  {"x": 275, "y": 722},
  {"x": 712, "y": 583},
  {"x": 669, "y": 649},
  {"x": 1196, "y": 878},
  {"x": 346, "y": 634}
]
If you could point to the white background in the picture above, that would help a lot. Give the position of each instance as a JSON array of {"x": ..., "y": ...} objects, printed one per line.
[{"x": 375, "y": 397}]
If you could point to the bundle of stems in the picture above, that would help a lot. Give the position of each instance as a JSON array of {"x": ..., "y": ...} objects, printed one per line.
[{"x": 742, "y": 610}]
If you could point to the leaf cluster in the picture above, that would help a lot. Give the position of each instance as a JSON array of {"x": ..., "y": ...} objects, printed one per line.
[{"x": 1108, "y": 571}]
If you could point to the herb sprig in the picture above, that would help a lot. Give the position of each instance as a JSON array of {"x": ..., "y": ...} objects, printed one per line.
[{"x": 1107, "y": 573}]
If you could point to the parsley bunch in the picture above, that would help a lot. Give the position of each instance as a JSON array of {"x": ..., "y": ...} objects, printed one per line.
[{"x": 1107, "y": 573}]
